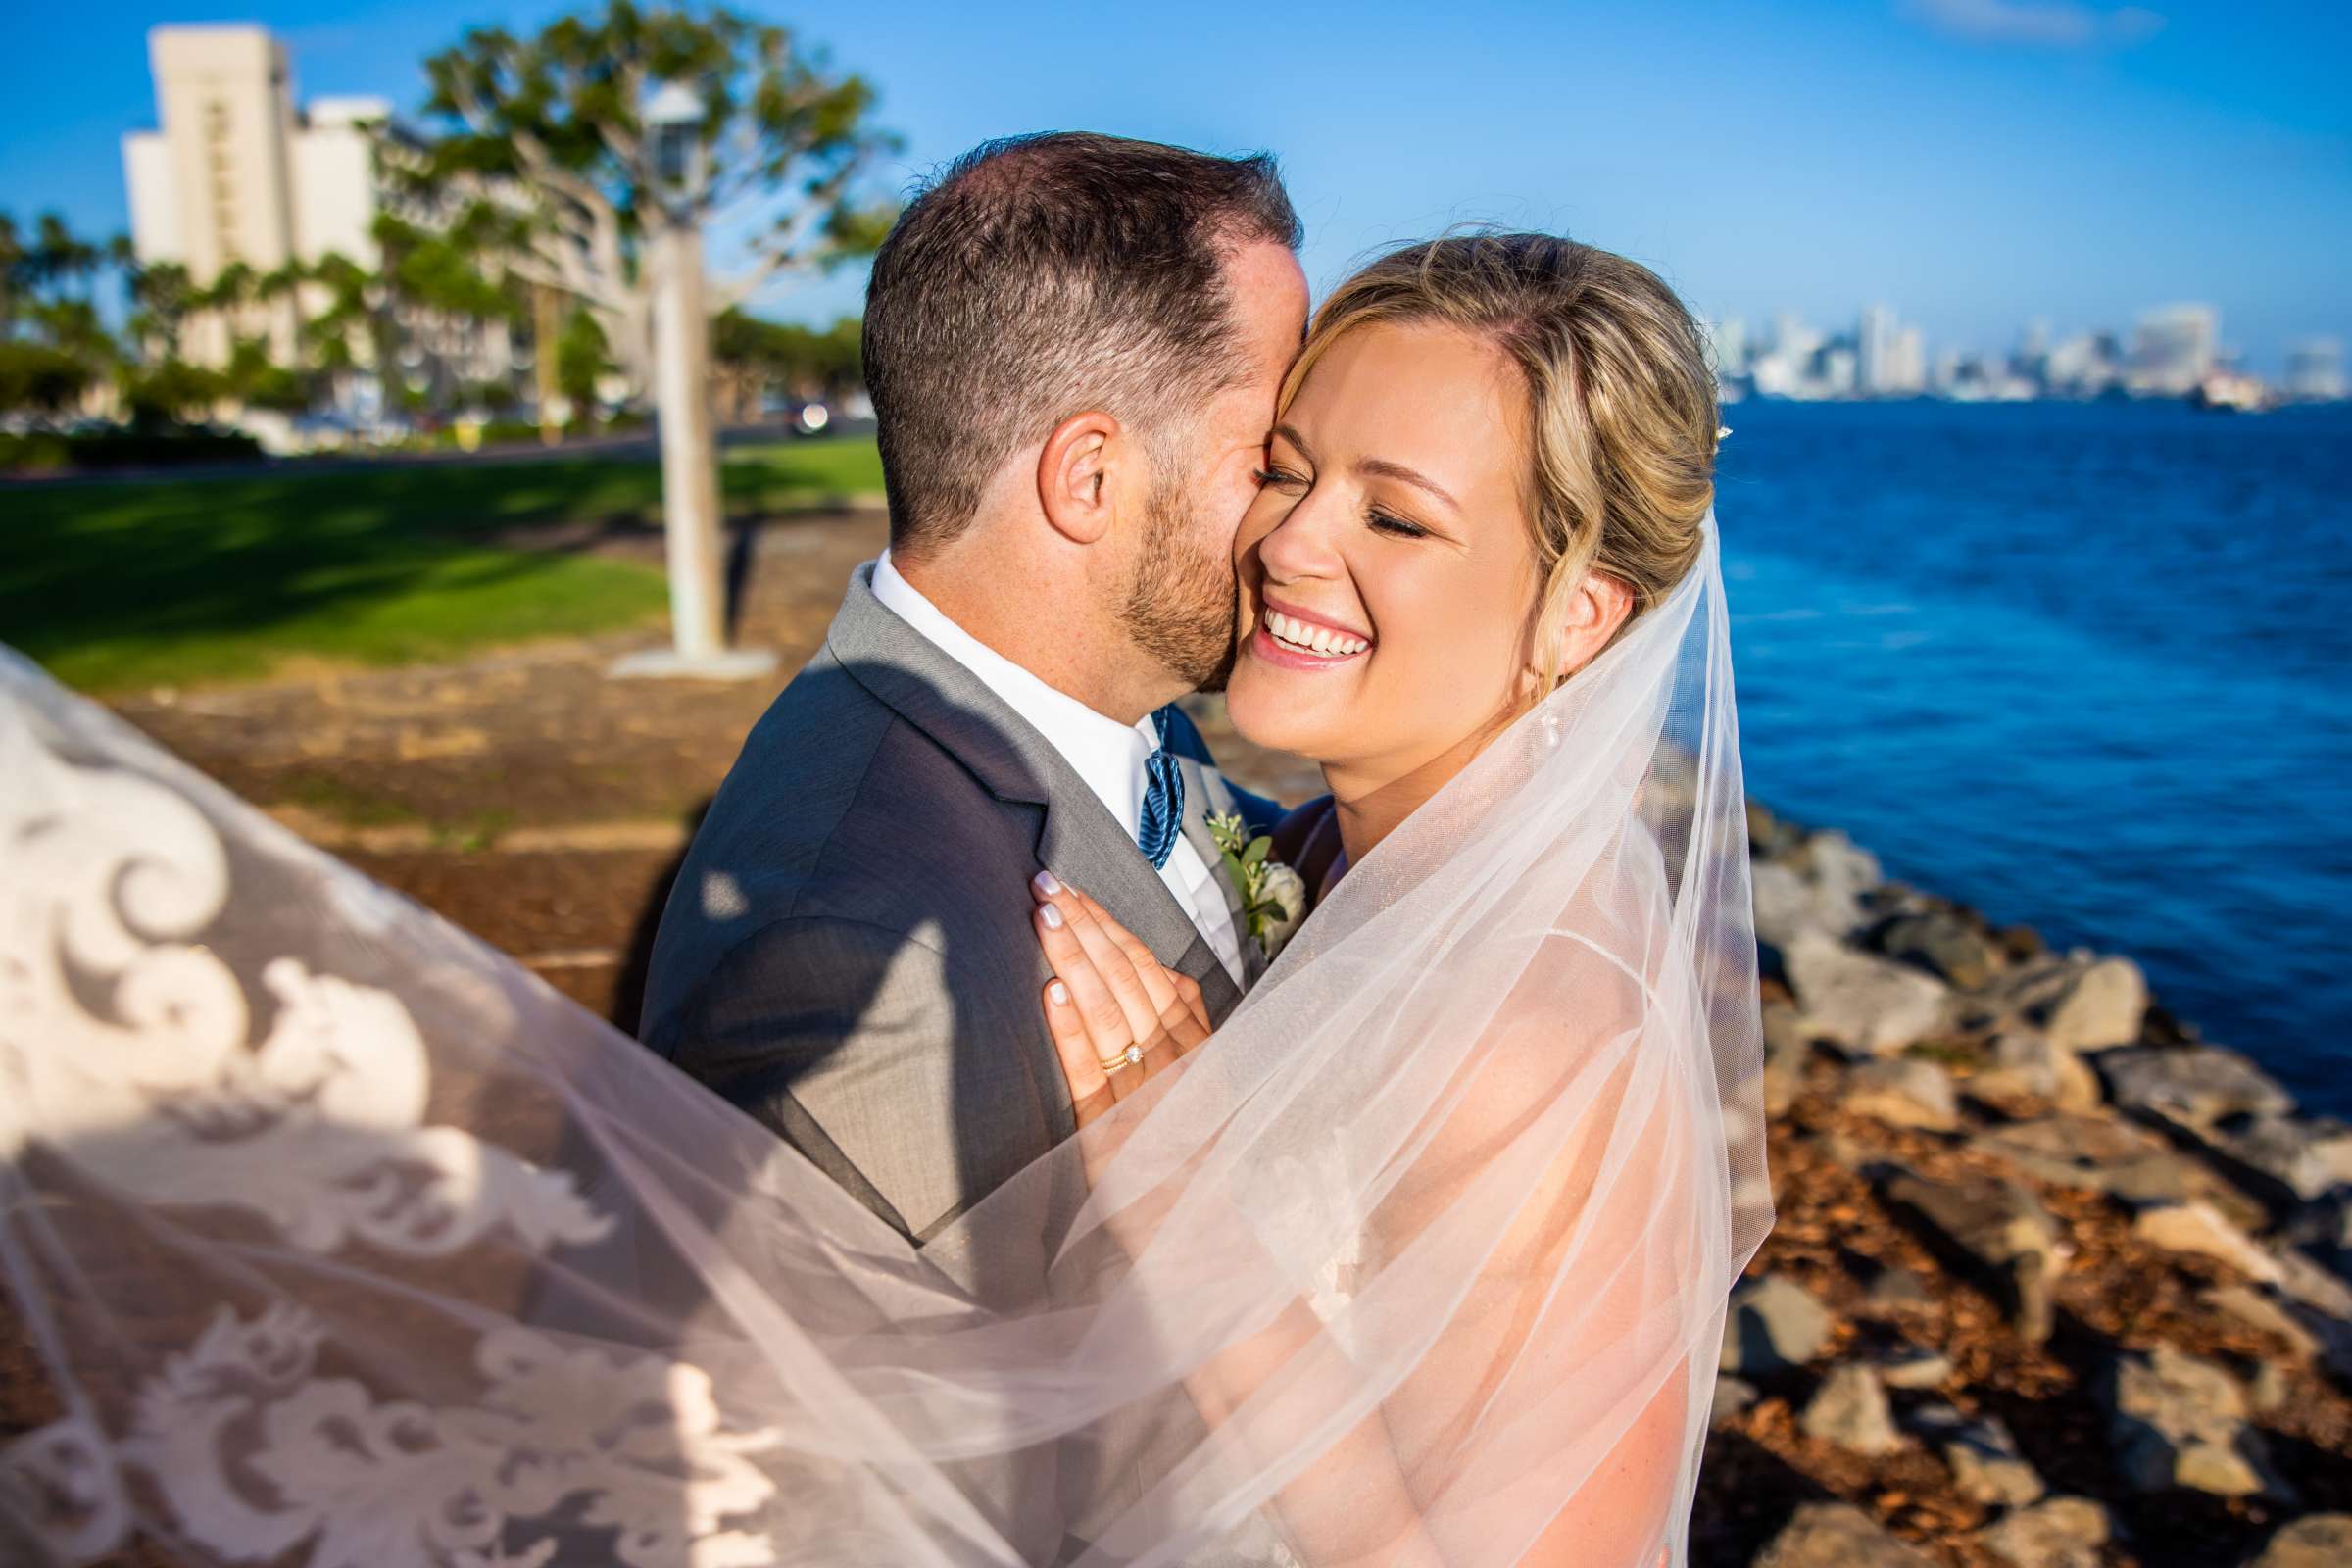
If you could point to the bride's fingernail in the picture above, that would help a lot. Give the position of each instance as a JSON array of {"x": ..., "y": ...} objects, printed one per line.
[
  {"x": 1047, "y": 883},
  {"x": 1060, "y": 992},
  {"x": 1050, "y": 915}
]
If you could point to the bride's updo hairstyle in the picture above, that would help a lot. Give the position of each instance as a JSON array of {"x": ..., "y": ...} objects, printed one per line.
[{"x": 1620, "y": 398}]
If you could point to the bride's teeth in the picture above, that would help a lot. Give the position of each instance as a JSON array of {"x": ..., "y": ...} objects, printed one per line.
[{"x": 1313, "y": 639}]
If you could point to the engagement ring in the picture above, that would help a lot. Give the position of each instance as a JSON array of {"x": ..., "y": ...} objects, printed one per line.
[{"x": 1132, "y": 1057}]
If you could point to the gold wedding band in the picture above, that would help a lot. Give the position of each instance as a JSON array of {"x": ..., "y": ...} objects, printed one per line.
[{"x": 1132, "y": 1057}]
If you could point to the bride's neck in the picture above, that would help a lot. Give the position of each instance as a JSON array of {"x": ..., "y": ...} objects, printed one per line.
[{"x": 1371, "y": 799}]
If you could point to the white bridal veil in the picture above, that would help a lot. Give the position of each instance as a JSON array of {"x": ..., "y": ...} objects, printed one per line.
[{"x": 350, "y": 1244}]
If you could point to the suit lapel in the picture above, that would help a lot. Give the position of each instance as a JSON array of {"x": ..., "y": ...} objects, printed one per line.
[
  {"x": 1204, "y": 797},
  {"x": 1077, "y": 839}
]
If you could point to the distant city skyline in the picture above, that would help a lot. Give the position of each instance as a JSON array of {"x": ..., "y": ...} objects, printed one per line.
[
  {"x": 1973, "y": 163},
  {"x": 2171, "y": 351}
]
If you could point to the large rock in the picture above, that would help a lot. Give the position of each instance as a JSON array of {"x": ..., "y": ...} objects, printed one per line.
[
  {"x": 1903, "y": 1093},
  {"x": 1733, "y": 1397},
  {"x": 2197, "y": 1227},
  {"x": 2174, "y": 1420},
  {"x": 2317, "y": 1288},
  {"x": 2257, "y": 1311},
  {"x": 1943, "y": 944},
  {"x": 2101, "y": 1153},
  {"x": 2194, "y": 1086},
  {"x": 1894, "y": 1289},
  {"x": 1983, "y": 1454},
  {"x": 1861, "y": 1001},
  {"x": 2056, "y": 1532},
  {"x": 2315, "y": 1541},
  {"x": 2281, "y": 1158},
  {"x": 1999, "y": 1227},
  {"x": 1913, "y": 1366},
  {"x": 1838, "y": 1534},
  {"x": 2079, "y": 1003},
  {"x": 1818, "y": 886},
  {"x": 1774, "y": 1325},
  {"x": 1784, "y": 904},
  {"x": 2026, "y": 1062},
  {"x": 1850, "y": 1410},
  {"x": 2104, "y": 1006}
]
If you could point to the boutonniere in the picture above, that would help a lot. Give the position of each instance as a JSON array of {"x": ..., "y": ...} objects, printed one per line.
[{"x": 1273, "y": 895}]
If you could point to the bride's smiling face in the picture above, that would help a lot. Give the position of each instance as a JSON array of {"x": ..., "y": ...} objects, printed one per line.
[{"x": 1388, "y": 572}]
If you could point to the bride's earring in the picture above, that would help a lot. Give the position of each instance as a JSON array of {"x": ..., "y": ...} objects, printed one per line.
[{"x": 1551, "y": 728}]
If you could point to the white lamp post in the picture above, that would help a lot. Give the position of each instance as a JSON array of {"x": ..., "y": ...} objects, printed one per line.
[{"x": 690, "y": 513}]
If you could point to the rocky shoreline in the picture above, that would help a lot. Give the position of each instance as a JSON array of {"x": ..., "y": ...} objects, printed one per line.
[{"x": 2055, "y": 1283}]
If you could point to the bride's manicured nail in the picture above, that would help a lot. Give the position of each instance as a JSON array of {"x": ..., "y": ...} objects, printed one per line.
[
  {"x": 1060, "y": 992},
  {"x": 1047, "y": 883},
  {"x": 1050, "y": 915}
]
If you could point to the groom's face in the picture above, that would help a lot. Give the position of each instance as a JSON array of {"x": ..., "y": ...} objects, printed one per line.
[{"x": 1180, "y": 597}]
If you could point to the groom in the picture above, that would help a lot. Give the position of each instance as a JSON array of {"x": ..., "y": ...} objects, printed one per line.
[{"x": 1073, "y": 344}]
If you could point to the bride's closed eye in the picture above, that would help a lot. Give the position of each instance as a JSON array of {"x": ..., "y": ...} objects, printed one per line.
[
  {"x": 1390, "y": 524},
  {"x": 1275, "y": 476}
]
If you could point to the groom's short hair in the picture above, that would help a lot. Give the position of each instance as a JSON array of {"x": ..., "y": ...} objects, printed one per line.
[{"x": 1038, "y": 277}]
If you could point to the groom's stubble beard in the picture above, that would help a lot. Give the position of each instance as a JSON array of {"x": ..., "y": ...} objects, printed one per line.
[{"x": 1181, "y": 605}]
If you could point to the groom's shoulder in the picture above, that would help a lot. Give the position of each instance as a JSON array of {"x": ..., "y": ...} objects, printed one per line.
[
  {"x": 833, "y": 781},
  {"x": 841, "y": 824}
]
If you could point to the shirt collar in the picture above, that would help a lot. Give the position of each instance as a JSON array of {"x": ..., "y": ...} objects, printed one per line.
[{"x": 1106, "y": 753}]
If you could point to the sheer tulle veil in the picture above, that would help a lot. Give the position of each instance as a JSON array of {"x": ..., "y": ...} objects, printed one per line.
[{"x": 347, "y": 1242}]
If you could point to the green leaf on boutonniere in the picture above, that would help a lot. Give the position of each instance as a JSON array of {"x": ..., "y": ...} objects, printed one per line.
[{"x": 1256, "y": 853}]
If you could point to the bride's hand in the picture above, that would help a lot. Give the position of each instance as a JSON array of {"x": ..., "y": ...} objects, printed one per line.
[{"x": 1108, "y": 993}]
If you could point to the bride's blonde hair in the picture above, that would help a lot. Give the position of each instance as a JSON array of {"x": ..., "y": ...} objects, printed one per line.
[{"x": 1620, "y": 398}]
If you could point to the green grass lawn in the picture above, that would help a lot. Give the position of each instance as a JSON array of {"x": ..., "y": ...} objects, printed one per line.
[{"x": 176, "y": 581}]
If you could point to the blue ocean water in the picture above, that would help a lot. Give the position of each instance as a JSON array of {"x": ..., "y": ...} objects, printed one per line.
[{"x": 2086, "y": 667}]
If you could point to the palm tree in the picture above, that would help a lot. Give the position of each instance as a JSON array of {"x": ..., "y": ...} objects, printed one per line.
[
  {"x": 59, "y": 258},
  {"x": 162, "y": 296}
]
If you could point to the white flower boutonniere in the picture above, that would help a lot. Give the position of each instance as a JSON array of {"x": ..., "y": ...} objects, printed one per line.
[{"x": 1273, "y": 895}]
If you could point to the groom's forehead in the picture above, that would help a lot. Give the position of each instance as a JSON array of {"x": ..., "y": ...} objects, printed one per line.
[{"x": 1268, "y": 289}]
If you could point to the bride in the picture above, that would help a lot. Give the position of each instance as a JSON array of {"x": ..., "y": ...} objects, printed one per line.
[{"x": 348, "y": 1242}]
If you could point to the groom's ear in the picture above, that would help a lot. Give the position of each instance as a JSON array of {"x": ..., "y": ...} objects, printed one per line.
[{"x": 1074, "y": 476}]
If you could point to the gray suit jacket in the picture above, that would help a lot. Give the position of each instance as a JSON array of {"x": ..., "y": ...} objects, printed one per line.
[{"x": 847, "y": 953}]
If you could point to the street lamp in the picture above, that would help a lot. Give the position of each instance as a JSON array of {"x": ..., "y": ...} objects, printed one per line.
[{"x": 690, "y": 516}]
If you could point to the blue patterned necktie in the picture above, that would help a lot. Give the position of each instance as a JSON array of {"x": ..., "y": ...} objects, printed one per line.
[{"x": 1164, "y": 799}]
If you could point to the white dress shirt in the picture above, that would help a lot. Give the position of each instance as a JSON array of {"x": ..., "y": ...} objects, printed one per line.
[{"x": 1107, "y": 754}]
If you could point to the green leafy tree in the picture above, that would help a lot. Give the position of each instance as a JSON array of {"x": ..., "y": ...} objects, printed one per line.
[
  {"x": 559, "y": 117},
  {"x": 162, "y": 298},
  {"x": 582, "y": 359},
  {"x": 171, "y": 390},
  {"x": 54, "y": 348},
  {"x": 752, "y": 356},
  {"x": 36, "y": 378}
]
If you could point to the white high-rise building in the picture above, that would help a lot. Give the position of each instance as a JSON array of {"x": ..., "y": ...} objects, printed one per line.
[
  {"x": 2173, "y": 349},
  {"x": 2315, "y": 370},
  {"x": 1730, "y": 340},
  {"x": 1873, "y": 349},
  {"x": 237, "y": 173},
  {"x": 1890, "y": 359},
  {"x": 1907, "y": 364}
]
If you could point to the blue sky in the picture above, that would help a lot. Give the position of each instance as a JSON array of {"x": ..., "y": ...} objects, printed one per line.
[{"x": 1972, "y": 163}]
